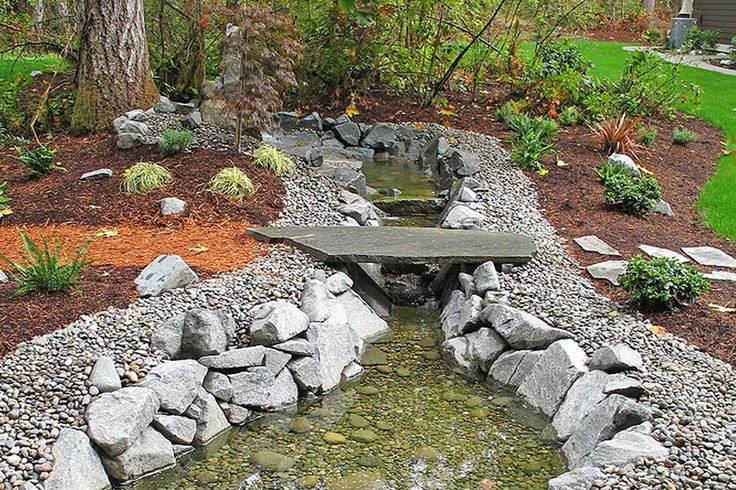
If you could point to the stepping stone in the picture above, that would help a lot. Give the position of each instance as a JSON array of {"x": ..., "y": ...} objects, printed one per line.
[
  {"x": 591, "y": 243},
  {"x": 609, "y": 270},
  {"x": 663, "y": 252},
  {"x": 710, "y": 256},
  {"x": 714, "y": 276}
]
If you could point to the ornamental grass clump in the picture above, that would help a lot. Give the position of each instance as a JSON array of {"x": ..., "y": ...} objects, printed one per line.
[
  {"x": 683, "y": 136},
  {"x": 632, "y": 195},
  {"x": 173, "y": 142},
  {"x": 144, "y": 177},
  {"x": 44, "y": 268},
  {"x": 618, "y": 135},
  {"x": 662, "y": 283},
  {"x": 273, "y": 160},
  {"x": 232, "y": 183}
]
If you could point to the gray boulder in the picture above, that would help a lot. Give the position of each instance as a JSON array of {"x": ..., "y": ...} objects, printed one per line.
[
  {"x": 347, "y": 178},
  {"x": 207, "y": 333},
  {"x": 115, "y": 420},
  {"x": 512, "y": 367},
  {"x": 275, "y": 360},
  {"x": 455, "y": 353},
  {"x": 381, "y": 137},
  {"x": 616, "y": 358},
  {"x": 484, "y": 347},
  {"x": 614, "y": 414},
  {"x": 242, "y": 358},
  {"x": 104, "y": 376},
  {"x": 486, "y": 278},
  {"x": 316, "y": 156},
  {"x": 631, "y": 168},
  {"x": 192, "y": 121},
  {"x": 218, "y": 385},
  {"x": 360, "y": 211},
  {"x": 467, "y": 283},
  {"x": 164, "y": 273},
  {"x": 235, "y": 414},
  {"x": 338, "y": 283},
  {"x": 307, "y": 373},
  {"x": 626, "y": 447},
  {"x": 470, "y": 313},
  {"x": 579, "y": 479},
  {"x": 336, "y": 345},
  {"x": 76, "y": 464},
  {"x": 171, "y": 205},
  {"x": 312, "y": 122},
  {"x": 619, "y": 384},
  {"x": 286, "y": 120},
  {"x": 348, "y": 133},
  {"x": 103, "y": 173},
  {"x": 164, "y": 104},
  {"x": 175, "y": 384},
  {"x": 463, "y": 163},
  {"x": 316, "y": 300},
  {"x": 552, "y": 375},
  {"x": 284, "y": 392},
  {"x": 283, "y": 322},
  {"x": 360, "y": 316},
  {"x": 610, "y": 270},
  {"x": 177, "y": 429},
  {"x": 450, "y": 316},
  {"x": 352, "y": 371},
  {"x": 461, "y": 217},
  {"x": 296, "y": 347},
  {"x": 3, "y": 277},
  {"x": 520, "y": 329},
  {"x": 251, "y": 387},
  {"x": 211, "y": 422},
  {"x": 150, "y": 453},
  {"x": 185, "y": 107},
  {"x": 583, "y": 396},
  {"x": 134, "y": 127},
  {"x": 126, "y": 141}
]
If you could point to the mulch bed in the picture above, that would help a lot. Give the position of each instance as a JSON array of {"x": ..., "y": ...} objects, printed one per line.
[
  {"x": 61, "y": 197},
  {"x": 572, "y": 200}
]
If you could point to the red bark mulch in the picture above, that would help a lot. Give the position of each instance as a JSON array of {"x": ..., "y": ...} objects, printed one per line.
[{"x": 572, "y": 200}]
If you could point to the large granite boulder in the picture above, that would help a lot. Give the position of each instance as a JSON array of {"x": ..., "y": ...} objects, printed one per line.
[
  {"x": 211, "y": 421},
  {"x": 470, "y": 314},
  {"x": 150, "y": 452},
  {"x": 164, "y": 273},
  {"x": 347, "y": 178},
  {"x": 520, "y": 329},
  {"x": 283, "y": 321},
  {"x": 348, "y": 132},
  {"x": 218, "y": 384},
  {"x": 242, "y": 358},
  {"x": 552, "y": 375},
  {"x": 311, "y": 122},
  {"x": 462, "y": 163},
  {"x": 360, "y": 316},
  {"x": 336, "y": 345},
  {"x": 626, "y": 447},
  {"x": 76, "y": 464},
  {"x": 583, "y": 396},
  {"x": 338, "y": 283},
  {"x": 104, "y": 376},
  {"x": 175, "y": 384},
  {"x": 579, "y": 479},
  {"x": 259, "y": 388},
  {"x": 512, "y": 367},
  {"x": 486, "y": 278},
  {"x": 307, "y": 373},
  {"x": 360, "y": 211},
  {"x": 275, "y": 360},
  {"x": 194, "y": 334},
  {"x": 381, "y": 137},
  {"x": 614, "y": 414},
  {"x": 296, "y": 347},
  {"x": 616, "y": 358},
  {"x": 450, "y": 316},
  {"x": 484, "y": 347},
  {"x": 460, "y": 216},
  {"x": 455, "y": 353},
  {"x": 316, "y": 300},
  {"x": 115, "y": 420},
  {"x": 177, "y": 429}
]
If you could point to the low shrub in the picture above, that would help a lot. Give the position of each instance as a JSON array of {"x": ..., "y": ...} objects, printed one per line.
[
  {"x": 38, "y": 160},
  {"x": 683, "y": 136},
  {"x": 662, "y": 283},
  {"x": 4, "y": 200},
  {"x": 652, "y": 36},
  {"x": 145, "y": 177},
  {"x": 531, "y": 140},
  {"x": 647, "y": 136},
  {"x": 174, "y": 141},
  {"x": 232, "y": 183},
  {"x": 569, "y": 116},
  {"x": 608, "y": 169},
  {"x": 632, "y": 195},
  {"x": 618, "y": 135},
  {"x": 273, "y": 160},
  {"x": 701, "y": 41},
  {"x": 43, "y": 267},
  {"x": 506, "y": 111}
]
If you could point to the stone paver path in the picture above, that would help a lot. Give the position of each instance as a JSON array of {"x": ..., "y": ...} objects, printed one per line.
[
  {"x": 663, "y": 252},
  {"x": 591, "y": 243},
  {"x": 610, "y": 270},
  {"x": 721, "y": 276},
  {"x": 710, "y": 256}
]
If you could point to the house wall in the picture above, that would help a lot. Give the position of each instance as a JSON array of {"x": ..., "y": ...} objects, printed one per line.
[{"x": 717, "y": 14}]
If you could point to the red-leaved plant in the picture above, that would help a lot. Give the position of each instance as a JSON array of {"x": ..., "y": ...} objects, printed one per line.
[{"x": 619, "y": 135}]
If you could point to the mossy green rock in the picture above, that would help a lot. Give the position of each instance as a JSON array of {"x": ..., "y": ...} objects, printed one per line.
[
  {"x": 335, "y": 438},
  {"x": 320, "y": 413},
  {"x": 374, "y": 357},
  {"x": 357, "y": 481},
  {"x": 474, "y": 401},
  {"x": 502, "y": 401},
  {"x": 403, "y": 372},
  {"x": 272, "y": 461},
  {"x": 367, "y": 390},
  {"x": 385, "y": 369},
  {"x": 427, "y": 343},
  {"x": 454, "y": 396},
  {"x": 383, "y": 425},
  {"x": 427, "y": 453},
  {"x": 358, "y": 421},
  {"x": 480, "y": 412},
  {"x": 207, "y": 477},
  {"x": 301, "y": 425},
  {"x": 370, "y": 461},
  {"x": 364, "y": 435},
  {"x": 309, "y": 481},
  {"x": 431, "y": 355}
]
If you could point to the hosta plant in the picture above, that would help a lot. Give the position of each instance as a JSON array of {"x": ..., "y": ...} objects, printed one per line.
[
  {"x": 273, "y": 160},
  {"x": 145, "y": 177},
  {"x": 662, "y": 283},
  {"x": 232, "y": 183},
  {"x": 618, "y": 135},
  {"x": 44, "y": 267}
]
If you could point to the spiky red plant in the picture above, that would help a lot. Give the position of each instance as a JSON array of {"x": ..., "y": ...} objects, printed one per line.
[{"x": 618, "y": 135}]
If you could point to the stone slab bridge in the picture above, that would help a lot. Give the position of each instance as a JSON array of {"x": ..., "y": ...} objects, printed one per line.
[{"x": 347, "y": 247}]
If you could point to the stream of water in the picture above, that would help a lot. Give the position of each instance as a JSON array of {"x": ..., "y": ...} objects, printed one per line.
[{"x": 409, "y": 423}]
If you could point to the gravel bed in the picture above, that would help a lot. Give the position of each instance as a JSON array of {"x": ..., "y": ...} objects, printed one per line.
[{"x": 692, "y": 395}]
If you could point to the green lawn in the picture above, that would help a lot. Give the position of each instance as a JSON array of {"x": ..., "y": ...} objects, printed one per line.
[
  {"x": 717, "y": 202},
  {"x": 12, "y": 68}
]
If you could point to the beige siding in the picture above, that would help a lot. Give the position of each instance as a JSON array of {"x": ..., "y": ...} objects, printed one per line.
[{"x": 717, "y": 14}]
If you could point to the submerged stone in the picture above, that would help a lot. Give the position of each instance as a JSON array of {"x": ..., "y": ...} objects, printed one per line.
[
  {"x": 300, "y": 425},
  {"x": 272, "y": 461},
  {"x": 364, "y": 435},
  {"x": 358, "y": 421},
  {"x": 334, "y": 438},
  {"x": 374, "y": 357}
]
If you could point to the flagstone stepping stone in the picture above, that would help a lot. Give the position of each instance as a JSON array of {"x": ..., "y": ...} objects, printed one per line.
[
  {"x": 710, "y": 256},
  {"x": 591, "y": 243},
  {"x": 715, "y": 276},
  {"x": 609, "y": 270},
  {"x": 663, "y": 253}
]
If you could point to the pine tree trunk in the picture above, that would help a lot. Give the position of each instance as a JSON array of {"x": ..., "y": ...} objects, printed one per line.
[
  {"x": 113, "y": 75},
  {"x": 648, "y": 6}
]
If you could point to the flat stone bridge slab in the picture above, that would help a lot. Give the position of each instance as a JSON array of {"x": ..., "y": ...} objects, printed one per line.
[{"x": 402, "y": 245}]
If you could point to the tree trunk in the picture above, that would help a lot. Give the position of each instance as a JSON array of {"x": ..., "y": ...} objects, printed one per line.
[
  {"x": 113, "y": 75},
  {"x": 37, "y": 16},
  {"x": 648, "y": 6}
]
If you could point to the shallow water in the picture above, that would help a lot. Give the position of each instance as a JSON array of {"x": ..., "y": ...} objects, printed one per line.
[
  {"x": 409, "y": 423},
  {"x": 400, "y": 174}
]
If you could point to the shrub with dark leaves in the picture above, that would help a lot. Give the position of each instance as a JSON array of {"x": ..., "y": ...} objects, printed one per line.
[{"x": 632, "y": 195}]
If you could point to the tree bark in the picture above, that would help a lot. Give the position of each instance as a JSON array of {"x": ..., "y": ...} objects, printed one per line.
[
  {"x": 113, "y": 74},
  {"x": 648, "y": 6}
]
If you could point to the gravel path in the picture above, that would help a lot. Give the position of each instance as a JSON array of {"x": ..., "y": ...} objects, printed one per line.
[{"x": 44, "y": 382}]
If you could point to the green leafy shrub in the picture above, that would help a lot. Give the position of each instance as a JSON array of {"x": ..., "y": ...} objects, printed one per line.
[
  {"x": 232, "y": 183},
  {"x": 506, "y": 112},
  {"x": 647, "y": 136},
  {"x": 4, "y": 200},
  {"x": 43, "y": 266},
  {"x": 145, "y": 177},
  {"x": 683, "y": 136},
  {"x": 608, "y": 169},
  {"x": 632, "y": 195},
  {"x": 38, "y": 160},
  {"x": 531, "y": 140},
  {"x": 273, "y": 160},
  {"x": 701, "y": 41},
  {"x": 557, "y": 57},
  {"x": 662, "y": 283},
  {"x": 174, "y": 141},
  {"x": 652, "y": 36},
  {"x": 569, "y": 116}
]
